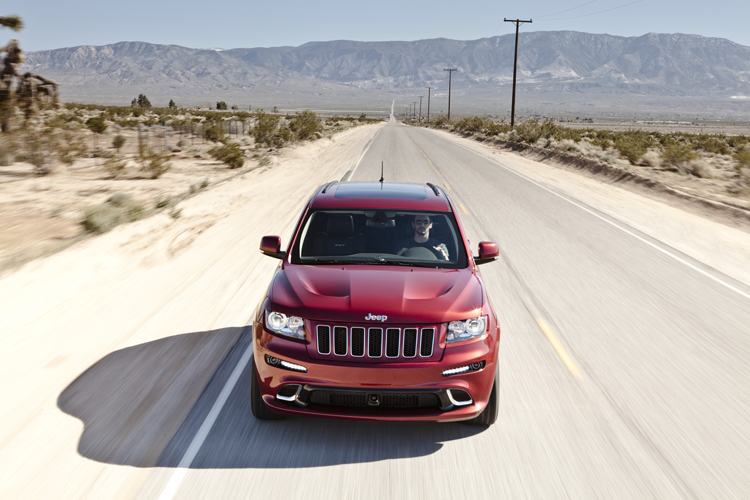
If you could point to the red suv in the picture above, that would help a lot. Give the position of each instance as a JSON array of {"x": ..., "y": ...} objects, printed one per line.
[{"x": 377, "y": 312}]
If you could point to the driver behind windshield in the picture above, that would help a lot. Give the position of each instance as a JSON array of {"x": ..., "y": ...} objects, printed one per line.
[{"x": 422, "y": 225}]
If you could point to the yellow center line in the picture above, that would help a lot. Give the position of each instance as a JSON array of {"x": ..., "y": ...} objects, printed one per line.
[
  {"x": 437, "y": 172},
  {"x": 424, "y": 156},
  {"x": 428, "y": 161},
  {"x": 564, "y": 356},
  {"x": 463, "y": 208},
  {"x": 447, "y": 186}
]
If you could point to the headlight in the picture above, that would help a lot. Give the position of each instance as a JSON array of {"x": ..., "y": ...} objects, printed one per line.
[
  {"x": 291, "y": 326},
  {"x": 458, "y": 331}
]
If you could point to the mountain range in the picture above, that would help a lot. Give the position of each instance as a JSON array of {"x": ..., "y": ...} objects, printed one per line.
[{"x": 556, "y": 69}]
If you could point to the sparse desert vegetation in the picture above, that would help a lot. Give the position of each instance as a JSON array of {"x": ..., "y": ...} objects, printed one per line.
[
  {"x": 87, "y": 168},
  {"x": 714, "y": 166}
]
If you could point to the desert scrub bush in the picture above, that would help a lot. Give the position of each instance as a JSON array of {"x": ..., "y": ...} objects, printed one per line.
[
  {"x": 8, "y": 149},
  {"x": 114, "y": 166},
  {"x": 265, "y": 128},
  {"x": 676, "y": 155},
  {"x": 306, "y": 125},
  {"x": 742, "y": 158},
  {"x": 530, "y": 131},
  {"x": 738, "y": 142},
  {"x": 118, "y": 142},
  {"x": 153, "y": 163},
  {"x": 162, "y": 202},
  {"x": 470, "y": 125},
  {"x": 632, "y": 146},
  {"x": 230, "y": 153},
  {"x": 493, "y": 128},
  {"x": 652, "y": 159},
  {"x": 716, "y": 144},
  {"x": 44, "y": 147},
  {"x": 441, "y": 121},
  {"x": 119, "y": 208}
]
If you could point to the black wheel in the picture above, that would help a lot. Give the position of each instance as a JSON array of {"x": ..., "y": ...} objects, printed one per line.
[
  {"x": 489, "y": 414},
  {"x": 261, "y": 411}
]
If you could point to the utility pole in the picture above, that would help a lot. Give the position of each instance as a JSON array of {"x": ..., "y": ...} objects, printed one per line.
[
  {"x": 515, "y": 64},
  {"x": 428, "y": 103},
  {"x": 420, "y": 108},
  {"x": 450, "y": 73},
  {"x": 415, "y": 110}
]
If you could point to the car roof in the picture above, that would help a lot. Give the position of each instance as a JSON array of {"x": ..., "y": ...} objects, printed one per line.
[{"x": 385, "y": 195}]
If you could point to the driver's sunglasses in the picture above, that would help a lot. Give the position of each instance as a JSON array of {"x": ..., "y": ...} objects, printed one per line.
[{"x": 422, "y": 222}]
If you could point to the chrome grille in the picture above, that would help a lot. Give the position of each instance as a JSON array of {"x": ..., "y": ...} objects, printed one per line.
[
  {"x": 324, "y": 339},
  {"x": 375, "y": 342}
]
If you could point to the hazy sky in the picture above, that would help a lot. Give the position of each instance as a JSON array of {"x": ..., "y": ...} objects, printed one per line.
[{"x": 221, "y": 24}]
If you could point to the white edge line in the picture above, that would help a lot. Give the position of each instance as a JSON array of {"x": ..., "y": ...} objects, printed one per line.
[
  {"x": 657, "y": 247},
  {"x": 187, "y": 460}
]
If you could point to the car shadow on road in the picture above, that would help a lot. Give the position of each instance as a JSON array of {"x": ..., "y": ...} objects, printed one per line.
[{"x": 142, "y": 406}]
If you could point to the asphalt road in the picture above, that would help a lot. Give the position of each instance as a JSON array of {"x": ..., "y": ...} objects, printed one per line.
[{"x": 623, "y": 368}]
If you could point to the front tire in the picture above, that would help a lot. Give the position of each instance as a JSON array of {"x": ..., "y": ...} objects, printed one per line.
[
  {"x": 261, "y": 411},
  {"x": 489, "y": 414}
]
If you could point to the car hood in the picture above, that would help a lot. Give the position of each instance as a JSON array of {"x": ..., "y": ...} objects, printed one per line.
[{"x": 353, "y": 293}]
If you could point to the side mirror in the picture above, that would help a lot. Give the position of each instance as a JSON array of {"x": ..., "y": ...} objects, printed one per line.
[
  {"x": 488, "y": 252},
  {"x": 271, "y": 246}
]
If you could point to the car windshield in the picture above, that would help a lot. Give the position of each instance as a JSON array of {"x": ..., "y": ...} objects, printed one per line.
[{"x": 377, "y": 237}]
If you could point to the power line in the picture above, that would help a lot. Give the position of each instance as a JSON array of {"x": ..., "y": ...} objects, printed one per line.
[
  {"x": 594, "y": 13},
  {"x": 566, "y": 10}
]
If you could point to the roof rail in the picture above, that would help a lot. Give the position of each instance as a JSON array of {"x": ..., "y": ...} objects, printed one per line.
[
  {"x": 325, "y": 188},
  {"x": 434, "y": 188}
]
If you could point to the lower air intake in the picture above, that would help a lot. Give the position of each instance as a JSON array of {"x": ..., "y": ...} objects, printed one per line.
[{"x": 358, "y": 399}]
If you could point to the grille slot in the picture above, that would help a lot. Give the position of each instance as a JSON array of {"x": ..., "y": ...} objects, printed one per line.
[
  {"x": 410, "y": 342},
  {"x": 392, "y": 342},
  {"x": 375, "y": 344},
  {"x": 358, "y": 342},
  {"x": 339, "y": 340},
  {"x": 324, "y": 339},
  {"x": 428, "y": 339},
  {"x": 339, "y": 398}
]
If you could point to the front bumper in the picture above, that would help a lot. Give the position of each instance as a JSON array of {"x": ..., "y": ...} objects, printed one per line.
[{"x": 452, "y": 398}]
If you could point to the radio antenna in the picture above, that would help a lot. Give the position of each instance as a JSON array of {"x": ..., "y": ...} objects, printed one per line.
[{"x": 381, "y": 172}]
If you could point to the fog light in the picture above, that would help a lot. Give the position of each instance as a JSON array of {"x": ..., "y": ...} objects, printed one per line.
[{"x": 474, "y": 367}]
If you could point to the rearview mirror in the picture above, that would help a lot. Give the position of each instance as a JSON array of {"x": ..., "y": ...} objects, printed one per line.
[
  {"x": 271, "y": 246},
  {"x": 488, "y": 252}
]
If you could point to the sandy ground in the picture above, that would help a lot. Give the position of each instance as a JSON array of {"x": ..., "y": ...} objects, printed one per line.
[
  {"x": 160, "y": 279},
  {"x": 42, "y": 215}
]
